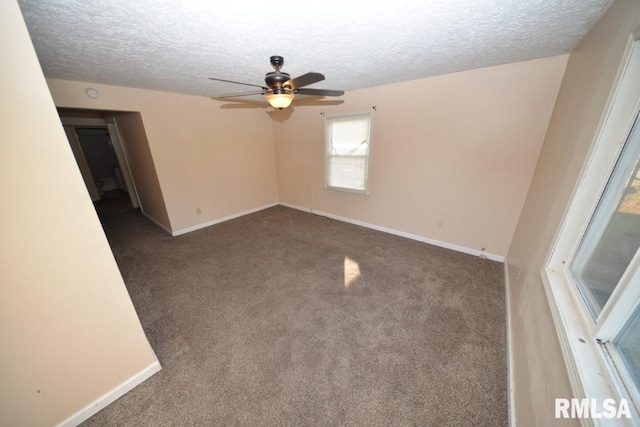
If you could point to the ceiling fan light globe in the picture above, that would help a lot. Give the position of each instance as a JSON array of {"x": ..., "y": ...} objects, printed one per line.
[{"x": 279, "y": 100}]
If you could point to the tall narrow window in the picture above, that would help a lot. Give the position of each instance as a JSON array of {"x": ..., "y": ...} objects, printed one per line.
[
  {"x": 347, "y": 142},
  {"x": 613, "y": 236}
]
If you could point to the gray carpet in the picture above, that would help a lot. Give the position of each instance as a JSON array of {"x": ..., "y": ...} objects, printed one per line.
[{"x": 254, "y": 325}]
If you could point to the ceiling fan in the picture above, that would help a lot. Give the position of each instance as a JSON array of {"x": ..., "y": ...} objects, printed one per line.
[{"x": 281, "y": 88}]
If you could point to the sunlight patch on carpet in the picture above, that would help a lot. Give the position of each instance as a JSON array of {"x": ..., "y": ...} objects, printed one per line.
[{"x": 351, "y": 272}]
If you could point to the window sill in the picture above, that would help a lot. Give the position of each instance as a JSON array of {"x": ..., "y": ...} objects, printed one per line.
[
  {"x": 590, "y": 373},
  {"x": 347, "y": 191}
]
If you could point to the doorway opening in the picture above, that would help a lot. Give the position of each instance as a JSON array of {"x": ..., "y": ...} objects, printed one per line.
[
  {"x": 102, "y": 159},
  {"x": 114, "y": 157}
]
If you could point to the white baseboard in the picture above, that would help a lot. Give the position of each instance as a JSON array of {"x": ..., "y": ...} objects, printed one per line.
[
  {"x": 300, "y": 208},
  {"x": 445, "y": 245},
  {"x": 109, "y": 397},
  {"x": 153, "y": 220},
  {"x": 510, "y": 380},
  {"x": 219, "y": 220}
]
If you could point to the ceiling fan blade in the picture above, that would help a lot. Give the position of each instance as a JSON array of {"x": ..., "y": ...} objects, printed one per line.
[
  {"x": 316, "y": 102},
  {"x": 238, "y": 83},
  {"x": 304, "y": 80},
  {"x": 238, "y": 94},
  {"x": 320, "y": 92}
]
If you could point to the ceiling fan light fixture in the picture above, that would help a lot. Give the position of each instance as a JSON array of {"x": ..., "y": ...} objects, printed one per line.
[{"x": 279, "y": 100}]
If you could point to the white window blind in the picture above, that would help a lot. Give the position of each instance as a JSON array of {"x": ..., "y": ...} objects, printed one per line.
[{"x": 347, "y": 152}]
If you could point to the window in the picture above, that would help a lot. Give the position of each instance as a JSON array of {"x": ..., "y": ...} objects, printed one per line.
[
  {"x": 613, "y": 235},
  {"x": 347, "y": 142},
  {"x": 592, "y": 278}
]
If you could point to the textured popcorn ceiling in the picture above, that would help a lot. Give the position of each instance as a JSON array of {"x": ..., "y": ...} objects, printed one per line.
[{"x": 175, "y": 46}]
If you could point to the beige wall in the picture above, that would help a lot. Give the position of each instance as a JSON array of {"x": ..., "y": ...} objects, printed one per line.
[
  {"x": 68, "y": 330},
  {"x": 216, "y": 159},
  {"x": 538, "y": 367},
  {"x": 451, "y": 157},
  {"x": 143, "y": 171}
]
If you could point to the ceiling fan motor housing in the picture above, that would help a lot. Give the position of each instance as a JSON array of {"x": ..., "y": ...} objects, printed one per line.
[{"x": 276, "y": 79}]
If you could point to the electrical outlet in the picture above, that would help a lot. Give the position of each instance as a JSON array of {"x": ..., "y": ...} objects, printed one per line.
[{"x": 198, "y": 211}]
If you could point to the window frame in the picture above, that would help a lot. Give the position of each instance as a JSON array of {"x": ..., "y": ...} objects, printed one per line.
[
  {"x": 593, "y": 368},
  {"x": 327, "y": 153}
]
